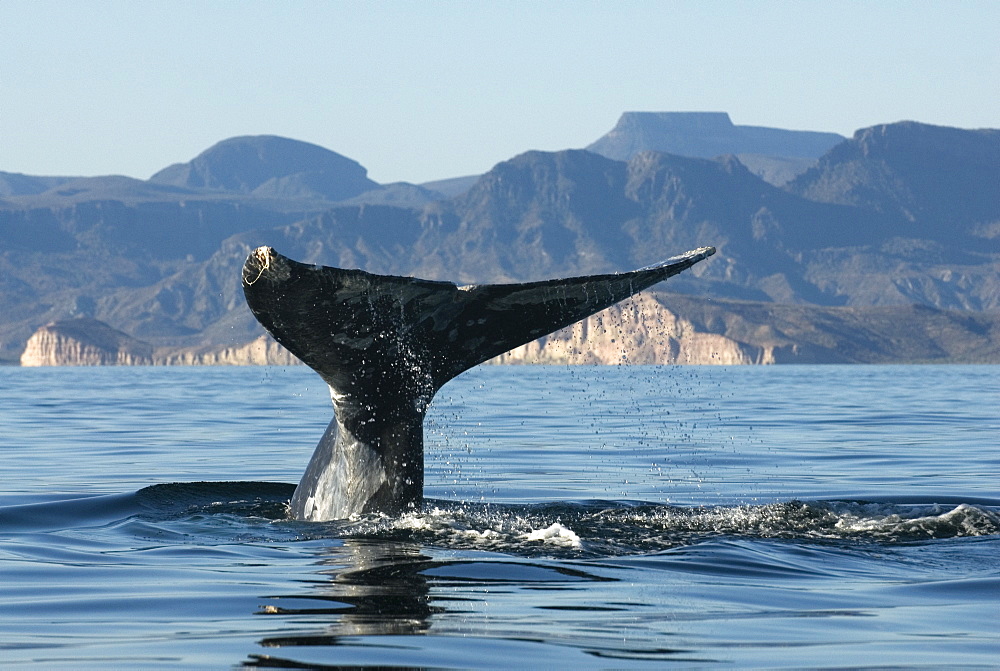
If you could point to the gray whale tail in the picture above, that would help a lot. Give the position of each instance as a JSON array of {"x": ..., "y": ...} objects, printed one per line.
[{"x": 386, "y": 344}]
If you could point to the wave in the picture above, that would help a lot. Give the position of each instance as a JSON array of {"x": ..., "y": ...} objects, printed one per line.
[
  {"x": 602, "y": 528},
  {"x": 587, "y": 528},
  {"x": 161, "y": 502}
]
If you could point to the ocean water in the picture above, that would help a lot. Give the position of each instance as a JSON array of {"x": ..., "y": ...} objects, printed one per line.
[{"x": 584, "y": 517}]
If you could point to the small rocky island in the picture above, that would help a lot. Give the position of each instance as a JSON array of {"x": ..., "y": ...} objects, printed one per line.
[
  {"x": 89, "y": 342},
  {"x": 84, "y": 342}
]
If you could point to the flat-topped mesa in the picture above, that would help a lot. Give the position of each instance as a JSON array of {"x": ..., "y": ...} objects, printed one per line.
[{"x": 386, "y": 344}]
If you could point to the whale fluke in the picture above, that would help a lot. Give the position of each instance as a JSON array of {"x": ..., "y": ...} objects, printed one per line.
[{"x": 386, "y": 344}]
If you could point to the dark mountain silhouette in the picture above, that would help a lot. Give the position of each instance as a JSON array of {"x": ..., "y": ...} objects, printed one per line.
[
  {"x": 108, "y": 188},
  {"x": 16, "y": 184},
  {"x": 270, "y": 166},
  {"x": 401, "y": 194}
]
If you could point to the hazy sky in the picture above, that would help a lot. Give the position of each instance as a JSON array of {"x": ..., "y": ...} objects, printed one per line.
[{"x": 423, "y": 90}]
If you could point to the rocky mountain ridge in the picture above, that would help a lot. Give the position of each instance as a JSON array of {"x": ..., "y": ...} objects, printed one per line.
[{"x": 893, "y": 216}]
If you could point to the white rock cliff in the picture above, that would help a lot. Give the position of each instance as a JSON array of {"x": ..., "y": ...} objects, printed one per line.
[{"x": 639, "y": 331}]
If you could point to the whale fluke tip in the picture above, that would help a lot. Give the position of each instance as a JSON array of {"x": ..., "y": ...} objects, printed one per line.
[
  {"x": 697, "y": 254},
  {"x": 264, "y": 262}
]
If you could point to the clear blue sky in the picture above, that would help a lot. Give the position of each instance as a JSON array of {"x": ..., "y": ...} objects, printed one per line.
[{"x": 423, "y": 90}]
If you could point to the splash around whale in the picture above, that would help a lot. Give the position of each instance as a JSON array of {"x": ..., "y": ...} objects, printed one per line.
[{"x": 386, "y": 344}]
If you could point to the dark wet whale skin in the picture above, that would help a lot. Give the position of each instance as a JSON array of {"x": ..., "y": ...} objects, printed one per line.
[{"x": 386, "y": 344}]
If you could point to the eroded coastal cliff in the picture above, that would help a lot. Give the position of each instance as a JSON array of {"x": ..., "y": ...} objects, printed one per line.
[
  {"x": 88, "y": 342},
  {"x": 84, "y": 342},
  {"x": 651, "y": 328},
  {"x": 639, "y": 331}
]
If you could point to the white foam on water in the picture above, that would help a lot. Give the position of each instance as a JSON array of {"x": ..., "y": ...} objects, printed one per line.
[
  {"x": 555, "y": 534},
  {"x": 614, "y": 530},
  {"x": 488, "y": 530},
  {"x": 932, "y": 520}
]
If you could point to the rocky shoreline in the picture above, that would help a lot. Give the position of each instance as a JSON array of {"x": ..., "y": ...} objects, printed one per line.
[
  {"x": 88, "y": 342},
  {"x": 654, "y": 328}
]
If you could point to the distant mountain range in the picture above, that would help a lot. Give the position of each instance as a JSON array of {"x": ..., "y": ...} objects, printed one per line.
[
  {"x": 899, "y": 214},
  {"x": 774, "y": 154},
  {"x": 706, "y": 135}
]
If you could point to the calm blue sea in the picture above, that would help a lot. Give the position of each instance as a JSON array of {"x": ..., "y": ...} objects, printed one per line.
[{"x": 584, "y": 517}]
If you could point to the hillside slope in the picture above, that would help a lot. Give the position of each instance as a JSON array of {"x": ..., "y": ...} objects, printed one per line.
[{"x": 900, "y": 215}]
